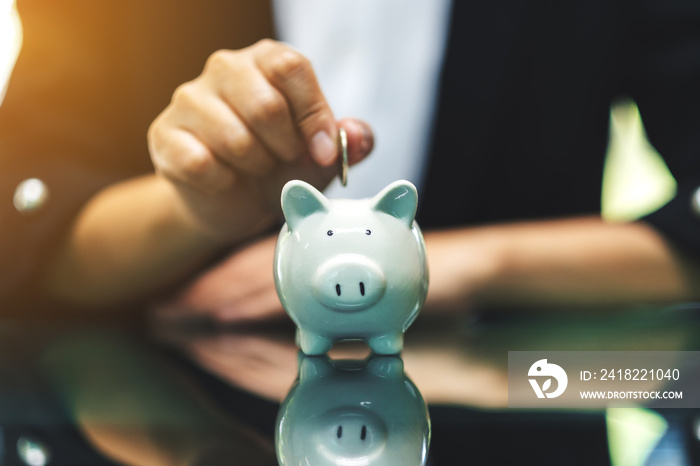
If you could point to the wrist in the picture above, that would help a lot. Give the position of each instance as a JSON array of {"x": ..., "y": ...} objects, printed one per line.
[
  {"x": 465, "y": 265},
  {"x": 224, "y": 219}
]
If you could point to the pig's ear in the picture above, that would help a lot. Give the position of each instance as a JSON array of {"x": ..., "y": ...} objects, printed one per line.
[
  {"x": 399, "y": 199},
  {"x": 299, "y": 200}
]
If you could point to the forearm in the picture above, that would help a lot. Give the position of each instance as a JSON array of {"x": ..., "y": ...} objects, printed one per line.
[
  {"x": 130, "y": 240},
  {"x": 583, "y": 262}
]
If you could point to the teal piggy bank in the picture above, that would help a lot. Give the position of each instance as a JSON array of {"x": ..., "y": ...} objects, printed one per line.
[
  {"x": 363, "y": 412},
  {"x": 350, "y": 269}
]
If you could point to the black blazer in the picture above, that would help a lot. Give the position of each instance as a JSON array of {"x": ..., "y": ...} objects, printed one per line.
[{"x": 522, "y": 126}]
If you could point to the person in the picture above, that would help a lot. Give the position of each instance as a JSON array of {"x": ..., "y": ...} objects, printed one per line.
[{"x": 510, "y": 198}]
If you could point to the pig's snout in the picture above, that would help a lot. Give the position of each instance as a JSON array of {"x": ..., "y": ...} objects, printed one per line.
[
  {"x": 348, "y": 282},
  {"x": 351, "y": 434}
]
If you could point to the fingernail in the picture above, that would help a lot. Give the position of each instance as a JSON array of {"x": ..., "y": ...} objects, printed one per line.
[
  {"x": 323, "y": 149},
  {"x": 367, "y": 140}
]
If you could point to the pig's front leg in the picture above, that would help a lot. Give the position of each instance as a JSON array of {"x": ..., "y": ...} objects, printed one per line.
[
  {"x": 313, "y": 344},
  {"x": 387, "y": 344}
]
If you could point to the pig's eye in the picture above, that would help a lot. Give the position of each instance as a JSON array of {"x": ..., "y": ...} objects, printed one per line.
[
  {"x": 330, "y": 232},
  {"x": 368, "y": 232}
]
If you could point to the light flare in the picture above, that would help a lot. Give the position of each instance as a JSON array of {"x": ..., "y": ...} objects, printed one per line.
[{"x": 10, "y": 41}]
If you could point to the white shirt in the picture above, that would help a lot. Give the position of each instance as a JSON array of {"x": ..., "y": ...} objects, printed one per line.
[{"x": 379, "y": 61}]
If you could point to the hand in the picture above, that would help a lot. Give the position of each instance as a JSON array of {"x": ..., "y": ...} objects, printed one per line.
[
  {"x": 231, "y": 138},
  {"x": 239, "y": 288}
]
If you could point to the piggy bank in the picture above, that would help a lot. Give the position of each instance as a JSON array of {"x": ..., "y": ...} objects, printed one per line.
[
  {"x": 352, "y": 412},
  {"x": 350, "y": 269}
]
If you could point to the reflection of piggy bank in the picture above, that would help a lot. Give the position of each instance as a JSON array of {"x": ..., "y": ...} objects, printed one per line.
[
  {"x": 352, "y": 412},
  {"x": 351, "y": 269}
]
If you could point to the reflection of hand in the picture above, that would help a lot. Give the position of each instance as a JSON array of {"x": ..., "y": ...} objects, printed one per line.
[
  {"x": 263, "y": 364},
  {"x": 252, "y": 120},
  {"x": 241, "y": 287},
  {"x": 226, "y": 452}
]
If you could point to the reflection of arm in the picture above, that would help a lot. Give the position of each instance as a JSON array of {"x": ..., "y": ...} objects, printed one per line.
[
  {"x": 135, "y": 408},
  {"x": 579, "y": 262}
]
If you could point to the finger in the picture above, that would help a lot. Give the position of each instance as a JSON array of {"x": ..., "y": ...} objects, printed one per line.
[
  {"x": 219, "y": 128},
  {"x": 360, "y": 139},
  {"x": 292, "y": 74},
  {"x": 180, "y": 156},
  {"x": 266, "y": 112},
  {"x": 260, "y": 105}
]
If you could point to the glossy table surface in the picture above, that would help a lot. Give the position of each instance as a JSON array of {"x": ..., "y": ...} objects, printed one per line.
[{"x": 110, "y": 393}]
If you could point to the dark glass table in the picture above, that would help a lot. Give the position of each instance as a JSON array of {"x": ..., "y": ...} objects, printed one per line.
[{"x": 109, "y": 392}]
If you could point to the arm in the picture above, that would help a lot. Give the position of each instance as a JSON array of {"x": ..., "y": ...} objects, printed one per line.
[
  {"x": 222, "y": 149},
  {"x": 579, "y": 262},
  {"x": 570, "y": 263},
  {"x": 130, "y": 239}
]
